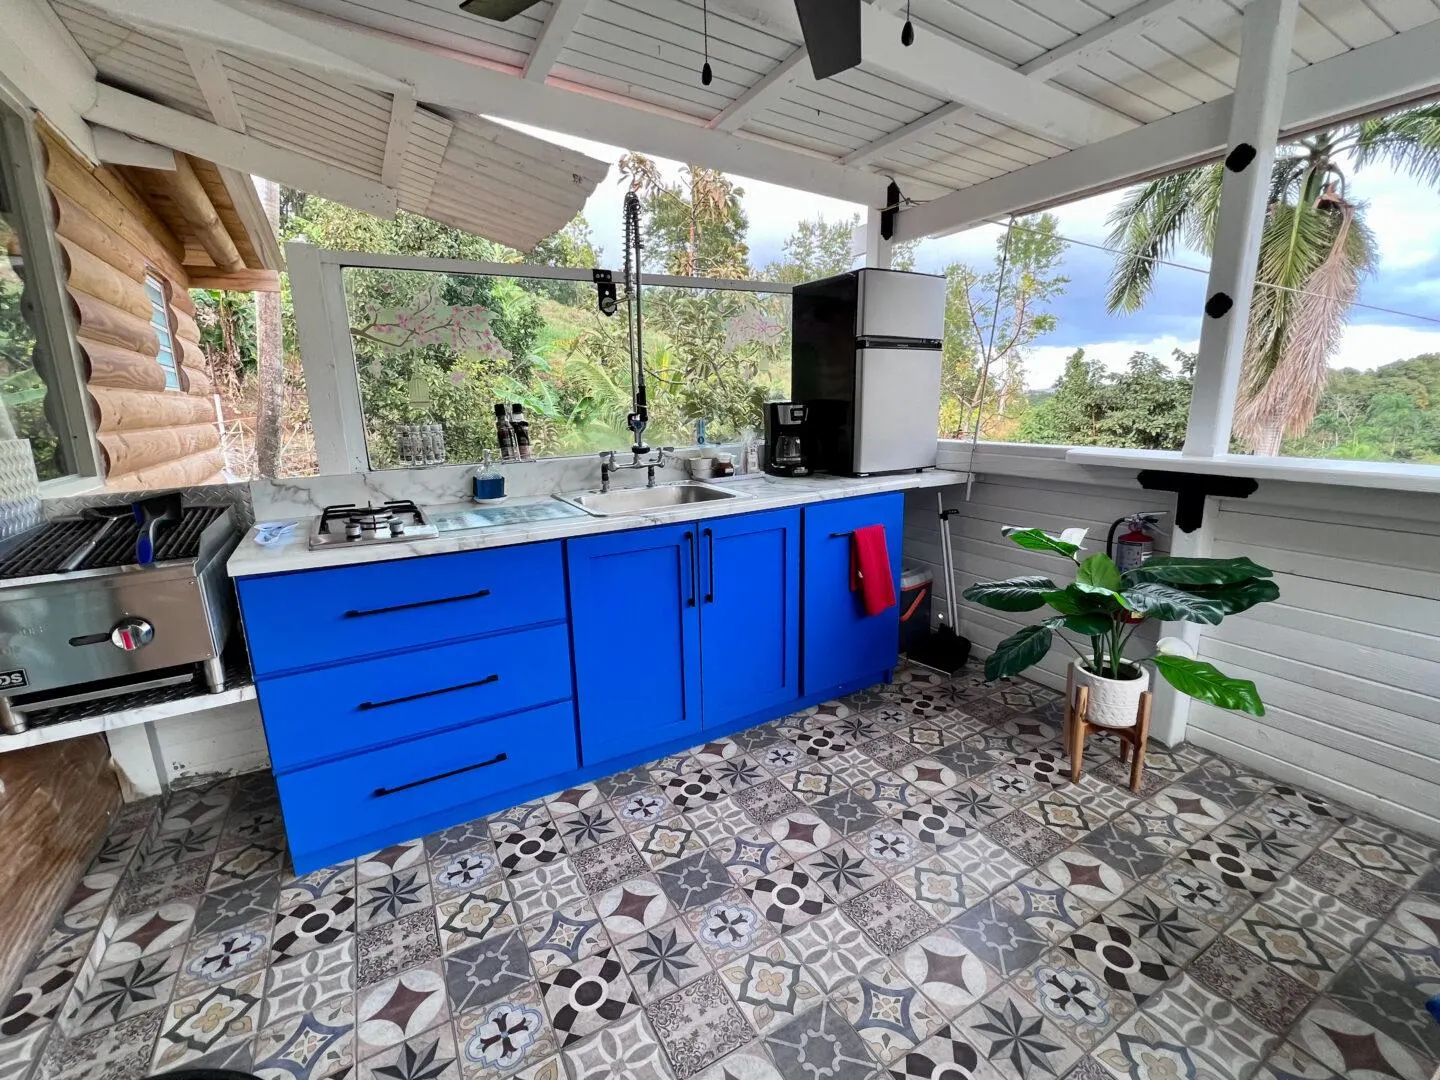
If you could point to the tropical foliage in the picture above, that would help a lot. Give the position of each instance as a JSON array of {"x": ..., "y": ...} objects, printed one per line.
[
  {"x": 1315, "y": 250},
  {"x": 1107, "y": 606},
  {"x": 1146, "y": 406},
  {"x": 22, "y": 392}
]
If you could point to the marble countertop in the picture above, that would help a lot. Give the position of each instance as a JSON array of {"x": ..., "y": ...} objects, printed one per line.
[{"x": 757, "y": 493}]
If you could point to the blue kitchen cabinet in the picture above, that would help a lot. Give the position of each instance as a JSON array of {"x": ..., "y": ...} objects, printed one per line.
[
  {"x": 749, "y": 615},
  {"x": 635, "y": 626},
  {"x": 843, "y": 648}
]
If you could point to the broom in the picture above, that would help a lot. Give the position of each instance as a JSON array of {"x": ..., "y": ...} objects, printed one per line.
[{"x": 943, "y": 649}]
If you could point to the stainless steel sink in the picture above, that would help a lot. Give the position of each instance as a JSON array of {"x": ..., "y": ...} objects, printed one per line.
[{"x": 640, "y": 500}]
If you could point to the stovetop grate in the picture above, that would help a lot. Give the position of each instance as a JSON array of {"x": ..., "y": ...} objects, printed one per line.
[{"x": 47, "y": 549}]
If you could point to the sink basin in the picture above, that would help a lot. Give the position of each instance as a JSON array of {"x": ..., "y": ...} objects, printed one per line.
[{"x": 639, "y": 500}]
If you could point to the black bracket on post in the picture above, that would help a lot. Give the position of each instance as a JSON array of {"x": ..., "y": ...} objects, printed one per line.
[
  {"x": 1190, "y": 490},
  {"x": 892, "y": 208}
]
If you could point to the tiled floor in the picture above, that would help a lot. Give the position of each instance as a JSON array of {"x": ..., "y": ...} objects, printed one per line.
[{"x": 900, "y": 885}]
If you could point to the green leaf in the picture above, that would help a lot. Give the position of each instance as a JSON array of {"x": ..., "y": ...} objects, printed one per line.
[
  {"x": 1100, "y": 571},
  {"x": 1157, "y": 601},
  {"x": 1205, "y": 682},
  {"x": 1073, "y": 600},
  {"x": 1015, "y": 594},
  {"x": 1241, "y": 596},
  {"x": 1089, "y": 623},
  {"x": 1039, "y": 540},
  {"x": 1018, "y": 651},
  {"x": 1189, "y": 571}
]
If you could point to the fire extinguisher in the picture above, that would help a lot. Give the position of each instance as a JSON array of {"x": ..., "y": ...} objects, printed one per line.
[{"x": 1134, "y": 546}]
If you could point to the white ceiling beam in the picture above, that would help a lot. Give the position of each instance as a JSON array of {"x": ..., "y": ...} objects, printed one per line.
[
  {"x": 1389, "y": 72},
  {"x": 46, "y": 69},
  {"x": 397, "y": 136},
  {"x": 564, "y": 14},
  {"x": 235, "y": 31},
  {"x": 443, "y": 78},
  {"x": 764, "y": 93},
  {"x": 117, "y": 148},
  {"x": 251, "y": 211},
  {"x": 209, "y": 72},
  {"x": 912, "y": 132},
  {"x": 189, "y": 134}
]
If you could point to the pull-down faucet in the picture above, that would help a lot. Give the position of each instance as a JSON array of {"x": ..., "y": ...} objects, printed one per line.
[{"x": 608, "y": 466}]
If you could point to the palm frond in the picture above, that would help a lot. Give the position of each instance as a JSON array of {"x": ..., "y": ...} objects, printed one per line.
[
  {"x": 1144, "y": 228},
  {"x": 1409, "y": 141},
  {"x": 1293, "y": 244}
]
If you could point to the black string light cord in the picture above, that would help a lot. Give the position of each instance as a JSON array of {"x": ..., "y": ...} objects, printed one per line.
[{"x": 706, "y": 75}]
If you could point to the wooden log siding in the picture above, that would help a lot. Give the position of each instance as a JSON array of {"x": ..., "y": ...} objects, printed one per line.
[{"x": 150, "y": 436}]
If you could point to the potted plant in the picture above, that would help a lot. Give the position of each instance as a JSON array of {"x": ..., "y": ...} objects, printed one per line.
[{"x": 1108, "y": 606}]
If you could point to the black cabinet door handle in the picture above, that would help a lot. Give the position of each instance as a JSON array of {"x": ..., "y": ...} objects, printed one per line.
[
  {"x": 381, "y": 792},
  {"x": 690, "y": 542},
  {"x": 710, "y": 541},
  {"x": 428, "y": 693},
  {"x": 361, "y": 613}
]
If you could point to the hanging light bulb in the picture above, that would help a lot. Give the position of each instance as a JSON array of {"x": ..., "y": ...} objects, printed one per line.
[
  {"x": 907, "y": 32},
  {"x": 706, "y": 75}
]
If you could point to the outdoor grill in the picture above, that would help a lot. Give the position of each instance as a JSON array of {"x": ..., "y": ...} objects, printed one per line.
[{"x": 81, "y": 619}]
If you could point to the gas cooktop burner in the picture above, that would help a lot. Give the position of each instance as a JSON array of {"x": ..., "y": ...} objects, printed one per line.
[{"x": 369, "y": 524}]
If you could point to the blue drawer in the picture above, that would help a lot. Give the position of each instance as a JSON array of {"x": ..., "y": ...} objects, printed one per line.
[
  {"x": 380, "y": 791},
  {"x": 315, "y": 617},
  {"x": 338, "y": 710}
]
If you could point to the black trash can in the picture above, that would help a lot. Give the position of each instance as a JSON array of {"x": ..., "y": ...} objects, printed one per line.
[{"x": 916, "y": 586}]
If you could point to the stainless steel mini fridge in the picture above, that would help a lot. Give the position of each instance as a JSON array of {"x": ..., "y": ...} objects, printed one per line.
[{"x": 866, "y": 362}]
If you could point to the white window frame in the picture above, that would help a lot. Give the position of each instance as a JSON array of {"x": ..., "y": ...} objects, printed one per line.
[
  {"x": 63, "y": 368},
  {"x": 161, "y": 309},
  {"x": 327, "y": 352}
]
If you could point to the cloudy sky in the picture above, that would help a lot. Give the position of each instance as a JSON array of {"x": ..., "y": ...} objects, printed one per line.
[{"x": 1405, "y": 216}]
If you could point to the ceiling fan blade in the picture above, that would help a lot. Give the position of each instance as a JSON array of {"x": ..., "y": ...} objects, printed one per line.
[{"x": 497, "y": 10}]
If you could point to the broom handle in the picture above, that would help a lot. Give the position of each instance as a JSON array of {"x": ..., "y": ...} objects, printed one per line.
[{"x": 947, "y": 561}]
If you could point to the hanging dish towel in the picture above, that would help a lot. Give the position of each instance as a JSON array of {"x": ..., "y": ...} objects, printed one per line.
[{"x": 870, "y": 569}]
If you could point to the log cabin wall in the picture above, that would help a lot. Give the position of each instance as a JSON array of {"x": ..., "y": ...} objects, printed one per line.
[{"x": 110, "y": 239}]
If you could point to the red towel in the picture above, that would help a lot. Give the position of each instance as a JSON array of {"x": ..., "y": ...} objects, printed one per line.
[{"x": 870, "y": 569}]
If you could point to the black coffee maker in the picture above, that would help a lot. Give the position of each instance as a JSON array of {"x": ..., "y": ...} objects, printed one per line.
[{"x": 784, "y": 449}]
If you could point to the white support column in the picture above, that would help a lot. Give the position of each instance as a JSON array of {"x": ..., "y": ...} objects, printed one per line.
[
  {"x": 1170, "y": 711},
  {"x": 1254, "y": 126},
  {"x": 877, "y": 248}
]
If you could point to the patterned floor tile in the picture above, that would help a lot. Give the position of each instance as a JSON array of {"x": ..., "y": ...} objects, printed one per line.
[
  {"x": 729, "y": 927},
  {"x": 821, "y": 1042},
  {"x": 531, "y": 815},
  {"x": 608, "y": 863},
  {"x": 1016, "y": 1038},
  {"x": 749, "y": 855},
  {"x": 841, "y": 871},
  {"x": 386, "y": 950},
  {"x": 1274, "y": 936},
  {"x": 301, "y": 985},
  {"x": 385, "y": 898},
  {"x": 1092, "y": 879},
  {"x": 1419, "y": 916},
  {"x": 662, "y": 960},
  {"x": 36, "y": 1001},
  {"x": 525, "y": 849},
  {"x": 890, "y": 847},
  {"x": 1172, "y": 931},
  {"x": 1026, "y": 838},
  {"x": 1069, "y": 815},
  {"x": 196, "y": 1025},
  {"x": 587, "y": 996},
  {"x": 833, "y": 949},
  {"x": 123, "y": 991},
  {"x": 627, "y": 1049},
  {"x": 589, "y": 826},
  {"x": 390, "y": 860},
  {"x": 694, "y": 881},
  {"x": 801, "y": 833},
  {"x": 1047, "y": 907},
  {"x": 119, "y": 1052},
  {"x": 974, "y": 805},
  {"x": 999, "y": 937},
  {"x": 946, "y": 972},
  {"x": 1142, "y": 1050},
  {"x": 431, "y": 1055},
  {"x": 1341, "y": 878},
  {"x": 889, "y": 918},
  {"x": 475, "y": 916},
  {"x": 889, "y": 1013},
  {"x": 1227, "y": 863},
  {"x": 1272, "y": 997},
  {"x": 327, "y": 881},
  {"x": 938, "y": 887},
  {"x": 633, "y": 906},
  {"x": 1406, "y": 958},
  {"x": 573, "y": 799},
  {"x": 1129, "y": 853},
  {"x": 486, "y": 971},
  {"x": 149, "y": 933},
  {"x": 1388, "y": 1003},
  {"x": 1082, "y": 1004},
  {"x": 505, "y": 1038},
  {"x": 722, "y": 820},
  {"x": 563, "y": 937},
  {"x": 401, "y": 1007},
  {"x": 217, "y": 957},
  {"x": 771, "y": 985},
  {"x": 699, "y": 1024},
  {"x": 1391, "y": 854},
  {"x": 1214, "y": 1026},
  {"x": 947, "y": 1053},
  {"x": 311, "y": 924},
  {"x": 787, "y": 897},
  {"x": 1120, "y": 958},
  {"x": 1289, "y": 1062},
  {"x": 1354, "y": 1048},
  {"x": 765, "y": 802}
]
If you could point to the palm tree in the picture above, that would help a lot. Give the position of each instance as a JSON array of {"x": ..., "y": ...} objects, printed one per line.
[{"x": 1315, "y": 249}]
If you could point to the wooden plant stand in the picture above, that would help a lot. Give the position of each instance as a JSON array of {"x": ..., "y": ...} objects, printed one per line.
[{"x": 1077, "y": 729}]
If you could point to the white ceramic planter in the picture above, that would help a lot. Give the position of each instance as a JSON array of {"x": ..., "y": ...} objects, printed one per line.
[{"x": 1114, "y": 703}]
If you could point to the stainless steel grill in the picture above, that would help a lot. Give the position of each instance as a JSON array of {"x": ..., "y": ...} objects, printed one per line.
[{"x": 59, "y": 546}]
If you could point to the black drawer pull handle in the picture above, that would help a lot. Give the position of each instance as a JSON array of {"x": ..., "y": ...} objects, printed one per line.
[
  {"x": 381, "y": 792},
  {"x": 356, "y": 614},
  {"x": 428, "y": 693},
  {"x": 841, "y": 535}
]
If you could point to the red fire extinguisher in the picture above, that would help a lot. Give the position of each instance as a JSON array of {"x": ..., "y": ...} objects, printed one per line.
[{"x": 1134, "y": 546}]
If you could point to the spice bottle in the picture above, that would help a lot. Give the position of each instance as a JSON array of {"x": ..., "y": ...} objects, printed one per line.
[
  {"x": 521, "y": 427},
  {"x": 504, "y": 434}
]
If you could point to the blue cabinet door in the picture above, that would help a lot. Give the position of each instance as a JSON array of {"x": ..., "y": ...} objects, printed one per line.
[
  {"x": 749, "y": 614},
  {"x": 843, "y": 645},
  {"x": 635, "y": 618}
]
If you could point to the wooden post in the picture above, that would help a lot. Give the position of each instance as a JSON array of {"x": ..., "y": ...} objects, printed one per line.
[
  {"x": 1079, "y": 728},
  {"x": 1142, "y": 735}
]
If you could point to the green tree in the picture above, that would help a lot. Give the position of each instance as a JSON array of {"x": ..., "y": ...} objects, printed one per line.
[
  {"x": 819, "y": 249},
  {"x": 1315, "y": 249},
  {"x": 1024, "y": 280},
  {"x": 1146, "y": 406}
]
